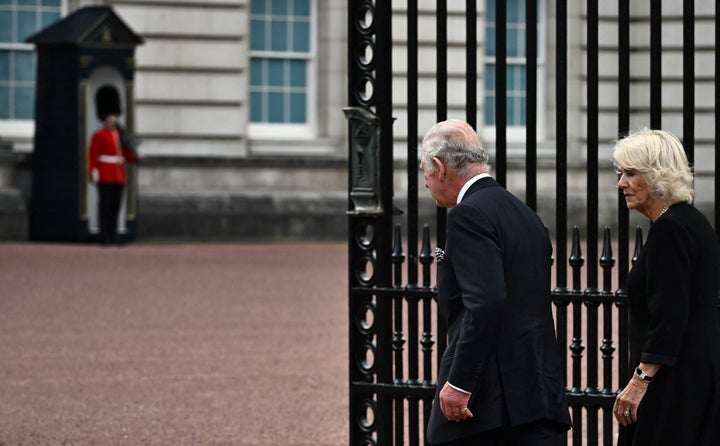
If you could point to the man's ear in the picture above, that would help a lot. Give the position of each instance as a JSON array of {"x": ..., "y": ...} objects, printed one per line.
[{"x": 439, "y": 167}]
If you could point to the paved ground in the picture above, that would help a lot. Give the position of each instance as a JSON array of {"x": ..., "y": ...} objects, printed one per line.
[{"x": 191, "y": 344}]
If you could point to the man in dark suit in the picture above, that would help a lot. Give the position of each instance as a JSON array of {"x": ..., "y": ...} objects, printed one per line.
[{"x": 500, "y": 381}]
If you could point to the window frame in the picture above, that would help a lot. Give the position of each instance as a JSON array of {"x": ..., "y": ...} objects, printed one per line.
[
  {"x": 13, "y": 128},
  {"x": 517, "y": 133},
  {"x": 287, "y": 131}
]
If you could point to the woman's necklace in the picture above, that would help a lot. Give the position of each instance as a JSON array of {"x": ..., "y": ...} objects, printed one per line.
[{"x": 664, "y": 209}]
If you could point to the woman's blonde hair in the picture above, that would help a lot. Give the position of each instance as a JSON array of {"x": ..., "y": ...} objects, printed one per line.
[{"x": 660, "y": 158}]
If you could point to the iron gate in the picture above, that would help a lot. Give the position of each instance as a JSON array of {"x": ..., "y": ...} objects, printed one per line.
[{"x": 395, "y": 338}]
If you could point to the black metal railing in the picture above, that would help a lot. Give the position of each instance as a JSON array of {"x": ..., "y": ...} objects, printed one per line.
[{"x": 395, "y": 337}]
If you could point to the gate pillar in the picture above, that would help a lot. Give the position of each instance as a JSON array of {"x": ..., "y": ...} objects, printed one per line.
[
  {"x": 370, "y": 221},
  {"x": 369, "y": 235}
]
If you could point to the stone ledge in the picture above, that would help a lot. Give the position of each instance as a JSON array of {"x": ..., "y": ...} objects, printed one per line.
[
  {"x": 13, "y": 216},
  {"x": 311, "y": 216}
]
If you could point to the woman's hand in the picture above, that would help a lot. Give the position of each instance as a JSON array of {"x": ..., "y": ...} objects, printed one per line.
[{"x": 628, "y": 401}]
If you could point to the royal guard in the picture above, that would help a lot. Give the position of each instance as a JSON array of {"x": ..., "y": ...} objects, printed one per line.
[{"x": 110, "y": 150}]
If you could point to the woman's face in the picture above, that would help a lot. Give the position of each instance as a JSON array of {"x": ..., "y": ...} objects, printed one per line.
[{"x": 636, "y": 190}]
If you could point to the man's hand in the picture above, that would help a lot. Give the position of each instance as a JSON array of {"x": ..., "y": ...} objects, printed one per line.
[{"x": 454, "y": 404}]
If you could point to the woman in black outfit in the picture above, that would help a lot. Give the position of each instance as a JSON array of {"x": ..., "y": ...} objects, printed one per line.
[{"x": 673, "y": 395}]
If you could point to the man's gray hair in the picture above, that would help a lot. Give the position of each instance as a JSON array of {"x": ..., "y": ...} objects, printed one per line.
[{"x": 455, "y": 143}]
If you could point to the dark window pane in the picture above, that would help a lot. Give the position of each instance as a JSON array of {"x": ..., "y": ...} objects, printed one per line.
[
  {"x": 24, "y": 66},
  {"x": 276, "y": 108},
  {"x": 490, "y": 110},
  {"x": 515, "y": 11},
  {"x": 257, "y": 35},
  {"x": 513, "y": 44},
  {"x": 24, "y": 102},
  {"x": 26, "y": 24},
  {"x": 27, "y": 2},
  {"x": 490, "y": 77},
  {"x": 258, "y": 6},
  {"x": 256, "y": 71},
  {"x": 297, "y": 108},
  {"x": 490, "y": 40},
  {"x": 510, "y": 104},
  {"x": 256, "y": 107},
  {"x": 279, "y": 36},
  {"x": 6, "y": 26},
  {"x": 298, "y": 73},
  {"x": 280, "y": 7},
  {"x": 276, "y": 73},
  {"x": 48, "y": 18},
  {"x": 4, "y": 65},
  {"x": 301, "y": 37},
  {"x": 51, "y": 3},
  {"x": 513, "y": 78},
  {"x": 302, "y": 8},
  {"x": 4, "y": 103}
]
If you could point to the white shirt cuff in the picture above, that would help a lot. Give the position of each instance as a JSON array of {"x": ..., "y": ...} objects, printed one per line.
[{"x": 459, "y": 389}]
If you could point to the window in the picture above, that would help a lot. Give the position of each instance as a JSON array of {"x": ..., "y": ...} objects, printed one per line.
[
  {"x": 18, "y": 20},
  {"x": 281, "y": 62},
  {"x": 516, "y": 67}
]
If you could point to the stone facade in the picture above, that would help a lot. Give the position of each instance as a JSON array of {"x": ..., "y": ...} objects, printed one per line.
[{"x": 207, "y": 175}]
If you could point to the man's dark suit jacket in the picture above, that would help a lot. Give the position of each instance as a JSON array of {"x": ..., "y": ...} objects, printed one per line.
[{"x": 494, "y": 293}]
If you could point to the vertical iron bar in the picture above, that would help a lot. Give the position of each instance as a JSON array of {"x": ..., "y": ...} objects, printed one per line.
[
  {"x": 413, "y": 367},
  {"x": 656, "y": 64},
  {"x": 362, "y": 31},
  {"x": 689, "y": 79},
  {"x": 717, "y": 117},
  {"x": 398, "y": 342},
  {"x": 383, "y": 92},
  {"x": 412, "y": 150},
  {"x": 576, "y": 347},
  {"x": 592, "y": 145},
  {"x": 531, "y": 104},
  {"x": 561, "y": 168},
  {"x": 561, "y": 236},
  {"x": 471, "y": 63},
  {"x": 398, "y": 257},
  {"x": 623, "y": 221},
  {"x": 592, "y": 215},
  {"x": 623, "y": 129},
  {"x": 441, "y": 87},
  {"x": 427, "y": 341},
  {"x": 607, "y": 261},
  {"x": 412, "y": 220},
  {"x": 501, "y": 92},
  {"x": 591, "y": 306}
]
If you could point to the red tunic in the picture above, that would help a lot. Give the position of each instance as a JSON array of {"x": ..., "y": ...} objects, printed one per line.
[{"x": 108, "y": 157}]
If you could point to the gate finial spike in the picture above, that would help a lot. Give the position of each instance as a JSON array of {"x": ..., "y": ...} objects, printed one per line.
[
  {"x": 606, "y": 259},
  {"x": 576, "y": 258}
]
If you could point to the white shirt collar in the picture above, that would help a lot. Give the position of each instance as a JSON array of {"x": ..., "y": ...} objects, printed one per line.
[{"x": 469, "y": 183}]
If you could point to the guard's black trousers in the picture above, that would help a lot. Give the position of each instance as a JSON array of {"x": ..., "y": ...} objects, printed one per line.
[{"x": 109, "y": 208}]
